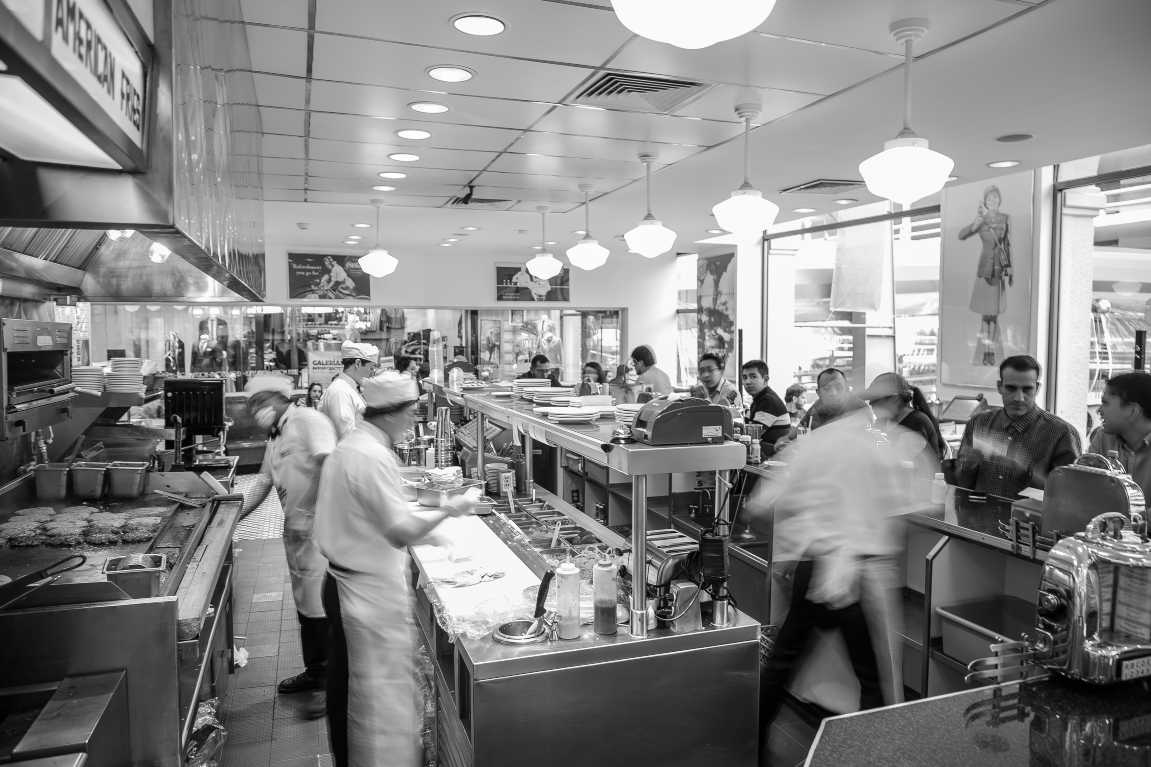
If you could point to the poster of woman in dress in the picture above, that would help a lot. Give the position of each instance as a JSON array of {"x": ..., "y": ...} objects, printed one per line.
[
  {"x": 333, "y": 278},
  {"x": 515, "y": 283},
  {"x": 985, "y": 301},
  {"x": 715, "y": 297}
]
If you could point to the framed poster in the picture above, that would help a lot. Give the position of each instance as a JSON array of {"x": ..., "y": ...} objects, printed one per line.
[
  {"x": 514, "y": 283},
  {"x": 986, "y": 275},
  {"x": 715, "y": 298},
  {"x": 490, "y": 340},
  {"x": 327, "y": 278}
]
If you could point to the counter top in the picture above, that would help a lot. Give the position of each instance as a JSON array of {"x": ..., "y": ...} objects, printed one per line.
[
  {"x": 974, "y": 518},
  {"x": 1038, "y": 723}
]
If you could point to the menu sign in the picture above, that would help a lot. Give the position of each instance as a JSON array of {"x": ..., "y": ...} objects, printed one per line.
[{"x": 89, "y": 44}]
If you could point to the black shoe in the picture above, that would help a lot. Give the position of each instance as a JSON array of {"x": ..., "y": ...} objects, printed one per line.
[{"x": 301, "y": 682}]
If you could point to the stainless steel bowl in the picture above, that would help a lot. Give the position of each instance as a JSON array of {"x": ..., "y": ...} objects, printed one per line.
[{"x": 516, "y": 632}]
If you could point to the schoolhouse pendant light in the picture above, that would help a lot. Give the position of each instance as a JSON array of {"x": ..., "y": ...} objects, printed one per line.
[
  {"x": 907, "y": 169},
  {"x": 378, "y": 262},
  {"x": 649, "y": 238},
  {"x": 746, "y": 214},
  {"x": 692, "y": 24},
  {"x": 543, "y": 265},
  {"x": 587, "y": 254}
]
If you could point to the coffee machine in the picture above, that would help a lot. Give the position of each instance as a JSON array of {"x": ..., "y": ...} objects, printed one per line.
[{"x": 676, "y": 596}]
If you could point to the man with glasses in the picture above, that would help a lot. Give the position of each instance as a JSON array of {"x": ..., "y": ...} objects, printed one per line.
[
  {"x": 713, "y": 386},
  {"x": 342, "y": 403},
  {"x": 835, "y": 401},
  {"x": 540, "y": 367}
]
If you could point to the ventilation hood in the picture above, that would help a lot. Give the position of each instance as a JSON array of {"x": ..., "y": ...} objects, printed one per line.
[{"x": 198, "y": 193}]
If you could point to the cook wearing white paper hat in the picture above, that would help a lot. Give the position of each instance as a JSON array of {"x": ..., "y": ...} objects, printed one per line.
[
  {"x": 343, "y": 403},
  {"x": 363, "y": 527},
  {"x": 300, "y": 441}
]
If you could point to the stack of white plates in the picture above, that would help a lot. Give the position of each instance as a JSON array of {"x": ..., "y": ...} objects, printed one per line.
[
  {"x": 550, "y": 396},
  {"x": 89, "y": 379},
  {"x": 626, "y": 414},
  {"x": 520, "y": 386},
  {"x": 573, "y": 415},
  {"x": 126, "y": 365}
]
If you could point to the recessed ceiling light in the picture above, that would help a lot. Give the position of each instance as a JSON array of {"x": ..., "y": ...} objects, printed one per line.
[
  {"x": 383, "y": 188},
  {"x": 452, "y": 239},
  {"x": 580, "y": 232},
  {"x": 404, "y": 157},
  {"x": 1003, "y": 164},
  {"x": 478, "y": 25},
  {"x": 537, "y": 247},
  {"x": 1012, "y": 138},
  {"x": 445, "y": 244},
  {"x": 715, "y": 231},
  {"x": 414, "y": 134},
  {"x": 351, "y": 242},
  {"x": 447, "y": 74},
  {"x": 354, "y": 237},
  {"x": 846, "y": 201},
  {"x": 804, "y": 210},
  {"x": 362, "y": 226},
  {"x": 392, "y": 174},
  {"x": 952, "y": 178},
  {"x": 551, "y": 242},
  {"x": 427, "y": 107},
  {"x": 469, "y": 228}
]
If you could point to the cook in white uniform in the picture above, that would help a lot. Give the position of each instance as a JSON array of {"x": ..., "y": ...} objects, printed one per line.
[
  {"x": 363, "y": 527},
  {"x": 301, "y": 439},
  {"x": 343, "y": 403}
]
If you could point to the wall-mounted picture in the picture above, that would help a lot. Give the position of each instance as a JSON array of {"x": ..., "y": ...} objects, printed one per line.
[
  {"x": 490, "y": 340},
  {"x": 328, "y": 278},
  {"x": 715, "y": 297},
  {"x": 985, "y": 288},
  {"x": 515, "y": 283}
]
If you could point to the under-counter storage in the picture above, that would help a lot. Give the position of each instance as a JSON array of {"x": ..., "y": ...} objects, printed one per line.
[{"x": 968, "y": 629}]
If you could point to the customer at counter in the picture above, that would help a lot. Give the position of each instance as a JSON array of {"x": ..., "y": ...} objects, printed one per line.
[
  {"x": 1006, "y": 449},
  {"x": 406, "y": 364},
  {"x": 363, "y": 527},
  {"x": 794, "y": 399},
  {"x": 301, "y": 440},
  {"x": 895, "y": 401},
  {"x": 713, "y": 386},
  {"x": 835, "y": 401},
  {"x": 343, "y": 403},
  {"x": 1126, "y": 429},
  {"x": 540, "y": 367},
  {"x": 649, "y": 378},
  {"x": 766, "y": 407}
]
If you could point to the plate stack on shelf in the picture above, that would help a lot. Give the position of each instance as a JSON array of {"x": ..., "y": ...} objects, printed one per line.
[
  {"x": 626, "y": 414},
  {"x": 553, "y": 395},
  {"x": 571, "y": 415},
  {"x": 522, "y": 387},
  {"x": 125, "y": 376},
  {"x": 89, "y": 380}
]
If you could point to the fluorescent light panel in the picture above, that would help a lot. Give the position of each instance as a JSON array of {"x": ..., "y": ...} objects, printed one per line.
[{"x": 33, "y": 130}]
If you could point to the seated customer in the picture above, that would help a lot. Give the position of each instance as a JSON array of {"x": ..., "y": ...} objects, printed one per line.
[
  {"x": 835, "y": 401},
  {"x": 713, "y": 386},
  {"x": 1007, "y": 449},
  {"x": 766, "y": 408},
  {"x": 1126, "y": 414},
  {"x": 794, "y": 399},
  {"x": 649, "y": 378},
  {"x": 895, "y": 401},
  {"x": 541, "y": 367}
]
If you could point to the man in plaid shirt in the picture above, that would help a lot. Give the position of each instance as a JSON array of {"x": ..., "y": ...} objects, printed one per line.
[{"x": 1007, "y": 449}]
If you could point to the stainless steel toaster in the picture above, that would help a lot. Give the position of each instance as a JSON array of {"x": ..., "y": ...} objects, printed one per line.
[
  {"x": 1094, "y": 484},
  {"x": 1093, "y": 607}
]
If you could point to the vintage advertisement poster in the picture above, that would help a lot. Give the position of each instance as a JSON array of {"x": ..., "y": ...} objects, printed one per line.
[
  {"x": 328, "y": 278},
  {"x": 514, "y": 283},
  {"x": 715, "y": 296},
  {"x": 985, "y": 288}
]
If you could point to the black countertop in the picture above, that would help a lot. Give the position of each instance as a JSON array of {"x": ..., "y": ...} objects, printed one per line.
[{"x": 1039, "y": 723}]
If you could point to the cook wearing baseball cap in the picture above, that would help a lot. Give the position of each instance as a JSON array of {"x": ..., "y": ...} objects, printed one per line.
[
  {"x": 343, "y": 403},
  {"x": 364, "y": 526}
]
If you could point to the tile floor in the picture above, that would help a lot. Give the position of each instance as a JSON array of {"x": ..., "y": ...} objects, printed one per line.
[{"x": 268, "y": 730}]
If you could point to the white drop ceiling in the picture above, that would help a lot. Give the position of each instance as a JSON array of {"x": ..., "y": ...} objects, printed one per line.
[{"x": 334, "y": 78}]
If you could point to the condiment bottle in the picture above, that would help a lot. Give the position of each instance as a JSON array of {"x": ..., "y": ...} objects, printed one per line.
[
  {"x": 938, "y": 489},
  {"x": 567, "y": 576},
  {"x": 604, "y": 588}
]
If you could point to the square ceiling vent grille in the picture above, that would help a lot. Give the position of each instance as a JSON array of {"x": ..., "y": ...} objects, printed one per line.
[{"x": 640, "y": 92}]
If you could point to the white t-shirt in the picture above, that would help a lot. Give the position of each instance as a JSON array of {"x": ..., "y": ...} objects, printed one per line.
[
  {"x": 343, "y": 404},
  {"x": 293, "y": 461}
]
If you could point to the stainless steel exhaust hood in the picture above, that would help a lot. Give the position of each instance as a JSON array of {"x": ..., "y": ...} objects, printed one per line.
[{"x": 196, "y": 210}]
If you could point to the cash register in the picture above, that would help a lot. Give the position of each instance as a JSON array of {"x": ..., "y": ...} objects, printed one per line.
[{"x": 689, "y": 421}]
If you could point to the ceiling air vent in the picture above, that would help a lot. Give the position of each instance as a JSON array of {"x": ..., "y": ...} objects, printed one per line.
[
  {"x": 825, "y": 186},
  {"x": 640, "y": 92},
  {"x": 469, "y": 200}
]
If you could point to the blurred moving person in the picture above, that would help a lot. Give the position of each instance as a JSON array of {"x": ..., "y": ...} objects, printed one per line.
[
  {"x": 835, "y": 401},
  {"x": 895, "y": 401},
  {"x": 832, "y": 507}
]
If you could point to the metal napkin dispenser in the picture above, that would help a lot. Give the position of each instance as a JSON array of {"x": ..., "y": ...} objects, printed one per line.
[
  {"x": 1093, "y": 485},
  {"x": 689, "y": 421},
  {"x": 1093, "y": 607}
]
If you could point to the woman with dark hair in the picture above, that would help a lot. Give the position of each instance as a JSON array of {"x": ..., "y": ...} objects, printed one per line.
[
  {"x": 593, "y": 373},
  {"x": 993, "y": 276},
  {"x": 315, "y": 392},
  {"x": 896, "y": 401}
]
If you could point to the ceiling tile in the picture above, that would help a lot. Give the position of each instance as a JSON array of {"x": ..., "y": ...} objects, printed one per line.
[
  {"x": 719, "y": 103},
  {"x": 571, "y": 168},
  {"x": 365, "y": 174},
  {"x": 377, "y": 155},
  {"x": 343, "y": 58},
  {"x": 283, "y": 180},
  {"x": 286, "y": 13},
  {"x": 848, "y": 22},
  {"x": 340, "y": 198},
  {"x": 349, "y": 128},
  {"x": 289, "y": 121},
  {"x": 274, "y": 91},
  {"x": 526, "y": 181},
  {"x": 282, "y": 146},
  {"x": 533, "y": 29},
  {"x": 283, "y": 195},
  {"x": 636, "y": 126},
  {"x": 561, "y": 145},
  {"x": 423, "y": 187},
  {"x": 282, "y": 165},
  {"x": 760, "y": 62},
  {"x": 392, "y": 103},
  {"x": 281, "y": 51}
]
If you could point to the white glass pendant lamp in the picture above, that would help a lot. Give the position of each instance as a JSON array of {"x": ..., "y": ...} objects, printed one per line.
[
  {"x": 649, "y": 238},
  {"x": 907, "y": 169},
  {"x": 544, "y": 266},
  {"x": 746, "y": 214},
  {"x": 587, "y": 254},
  {"x": 692, "y": 24},
  {"x": 378, "y": 262}
]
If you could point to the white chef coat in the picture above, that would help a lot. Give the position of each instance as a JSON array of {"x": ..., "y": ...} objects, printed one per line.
[
  {"x": 359, "y": 501},
  {"x": 292, "y": 460},
  {"x": 343, "y": 404}
]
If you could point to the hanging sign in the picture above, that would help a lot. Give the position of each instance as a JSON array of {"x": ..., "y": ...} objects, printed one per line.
[{"x": 90, "y": 46}]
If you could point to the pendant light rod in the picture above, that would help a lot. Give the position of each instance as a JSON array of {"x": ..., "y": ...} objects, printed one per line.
[
  {"x": 908, "y": 31},
  {"x": 543, "y": 210},
  {"x": 379, "y": 204},
  {"x": 646, "y": 158},
  {"x": 747, "y": 111},
  {"x": 586, "y": 189}
]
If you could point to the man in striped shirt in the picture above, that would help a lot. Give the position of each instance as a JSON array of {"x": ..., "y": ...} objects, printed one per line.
[{"x": 1007, "y": 449}]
